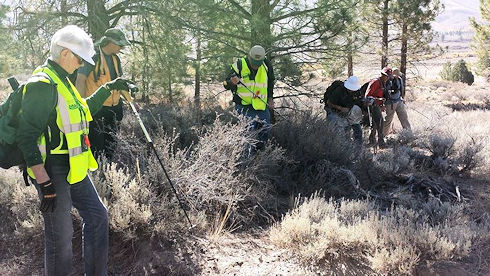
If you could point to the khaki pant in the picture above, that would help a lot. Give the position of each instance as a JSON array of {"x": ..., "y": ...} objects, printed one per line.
[{"x": 401, "y": 112}]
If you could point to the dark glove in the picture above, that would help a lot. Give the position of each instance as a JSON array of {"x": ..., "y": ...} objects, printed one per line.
[
  {"x": 48, "y": 202},
  {"x": 118, "y": 84}
]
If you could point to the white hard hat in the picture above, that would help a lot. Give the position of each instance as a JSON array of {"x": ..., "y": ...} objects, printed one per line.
[
  {"x": 352, "y": 83},
  {"x": 76, "y": 40}
]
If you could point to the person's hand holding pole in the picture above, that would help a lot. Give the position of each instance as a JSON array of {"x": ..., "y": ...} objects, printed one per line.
[
  {"x": 234, "y": 79},
  {"x": 118, "y": 84},
  {"x": 124, "y": 86}
]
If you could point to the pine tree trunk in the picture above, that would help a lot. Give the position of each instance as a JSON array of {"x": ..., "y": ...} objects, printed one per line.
[
  {"x": 403, "y": 52},
  {"x": 146, "y": 72},
  {"x": 260, "y": 24},
  {"x": 384, "y": 48},
  {"x": 350, "y": 58},
  {"x": 63, "y": 10},
  {"x": 197, "y": 88},
  {"x": 98, "y": 19},
  {"x": 170, "y": 92},
  {"x": 350, "y": 65}
]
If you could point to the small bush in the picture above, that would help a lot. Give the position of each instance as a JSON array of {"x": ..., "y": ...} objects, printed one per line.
[
  {"x": 21, "y": 203},
  {"x": 213, "y": 177},
  {"x": 450, "y": 156},
  {"x": 329, "y": 235},
  {"x": 446, "y": 71},
  {"x": 315, "y": 149},
  {"x": 129, "y": 203},
  {"x": 459, "y": 72},
  {"x": 441, "y": 146},
  {"x": 395, "y": 161},
  {"x": 469, "y": 157}
]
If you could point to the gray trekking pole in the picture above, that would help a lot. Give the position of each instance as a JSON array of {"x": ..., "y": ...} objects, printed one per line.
[
  {"x": 369, "y": 116},
  {"x": 132, "y": 87},
  {"x": 417, "y": 111},
  {"x": 370, "y": 100}
]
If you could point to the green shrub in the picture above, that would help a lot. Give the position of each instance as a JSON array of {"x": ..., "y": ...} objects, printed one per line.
[
  {"x": 446, "y": 71},
  {"x": 458, "y": 72}
]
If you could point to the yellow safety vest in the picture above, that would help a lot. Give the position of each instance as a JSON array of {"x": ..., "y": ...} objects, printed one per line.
[
  {"x": 72, "y": 117},
  {"x": 258, "y": 98},
  {"x": 105, "y": 76}
]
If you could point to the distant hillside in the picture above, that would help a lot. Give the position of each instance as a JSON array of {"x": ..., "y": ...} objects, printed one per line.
[{"x": 456, "y": 14}]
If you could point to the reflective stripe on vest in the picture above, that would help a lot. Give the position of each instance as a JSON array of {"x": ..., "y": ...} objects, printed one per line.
[
  {"x": 258, "y": 98},
  {"x": 72, "y": 118},
  {"x": 105, "y": 76}
]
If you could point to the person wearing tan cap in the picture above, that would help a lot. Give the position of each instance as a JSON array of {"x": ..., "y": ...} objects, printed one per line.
[
  {"x": 107, "y": 67},
  {"x": 251, "y": 81}
]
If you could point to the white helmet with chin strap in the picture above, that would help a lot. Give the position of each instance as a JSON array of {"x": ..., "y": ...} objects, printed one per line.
[{"x": 76, "y": 40}]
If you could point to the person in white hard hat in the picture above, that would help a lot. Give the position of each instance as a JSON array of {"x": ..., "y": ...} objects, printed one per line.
[
  {"x": 344, "y": 106},
  {"x": 53, "y": 136},
  {"x": 251, "y": 81}
]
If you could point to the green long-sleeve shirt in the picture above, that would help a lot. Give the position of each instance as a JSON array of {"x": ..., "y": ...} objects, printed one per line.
[{"x": 39, "y": 111}]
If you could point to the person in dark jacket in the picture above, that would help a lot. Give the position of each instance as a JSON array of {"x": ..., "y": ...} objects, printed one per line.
[
  {"x": 395, "y": 103},
  {"x": 344, "y": 107}
]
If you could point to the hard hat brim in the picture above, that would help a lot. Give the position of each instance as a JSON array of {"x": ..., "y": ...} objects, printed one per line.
[{"x": 87, "y": 56}]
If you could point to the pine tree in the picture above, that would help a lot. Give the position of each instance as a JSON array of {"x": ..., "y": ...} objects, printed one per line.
[
  {"x": 412, "y": 21},
  {"x": 481, "y": 40}
]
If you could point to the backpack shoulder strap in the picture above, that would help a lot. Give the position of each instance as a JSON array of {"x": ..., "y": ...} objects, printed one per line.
[
  {"x": 265, "y": 66},
  {"x": 239, "y": 66},
  {"x": 44, "y": 77},
  {"x": 41, "y": 77}
]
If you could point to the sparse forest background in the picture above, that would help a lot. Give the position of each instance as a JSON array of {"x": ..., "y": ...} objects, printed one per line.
[{"x": 308, "y": 204}]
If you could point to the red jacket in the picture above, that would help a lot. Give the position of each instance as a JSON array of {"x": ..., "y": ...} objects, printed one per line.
[{"x": 375, "y": 89}]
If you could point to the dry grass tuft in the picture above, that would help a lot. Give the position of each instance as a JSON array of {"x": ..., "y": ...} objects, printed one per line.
[
  {"x": 331, "y": 235},
  {"x": 21, "y": 203}
]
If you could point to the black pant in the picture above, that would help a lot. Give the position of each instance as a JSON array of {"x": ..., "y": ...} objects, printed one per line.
[
  {"x": 377, "y": 118},
  {"x": 103, "y": 129}
]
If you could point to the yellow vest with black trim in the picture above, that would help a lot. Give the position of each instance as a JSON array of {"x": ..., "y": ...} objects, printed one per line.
[
  {"x": 105, "y": 76},
  {"x": 72, "y": 118},
  {"x": 258, "y": 86}
]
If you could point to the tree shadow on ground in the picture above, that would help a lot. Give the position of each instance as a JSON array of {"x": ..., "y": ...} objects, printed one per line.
[{"x": 150, "y": 256}]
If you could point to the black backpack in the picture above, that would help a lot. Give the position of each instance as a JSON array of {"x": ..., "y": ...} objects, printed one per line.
[
  {"x": 391, "y": 88},
  {"x": 330, "y": 89},
  {"x": 10, "y": 154},
  {"x": 363, "y": 88}
]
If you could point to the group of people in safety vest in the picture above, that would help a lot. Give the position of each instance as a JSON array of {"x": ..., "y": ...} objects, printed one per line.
[{"x": 65, "y": 124}]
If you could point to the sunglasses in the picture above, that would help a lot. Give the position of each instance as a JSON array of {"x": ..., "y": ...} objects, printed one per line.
[{"x": 79, "y": 59}]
